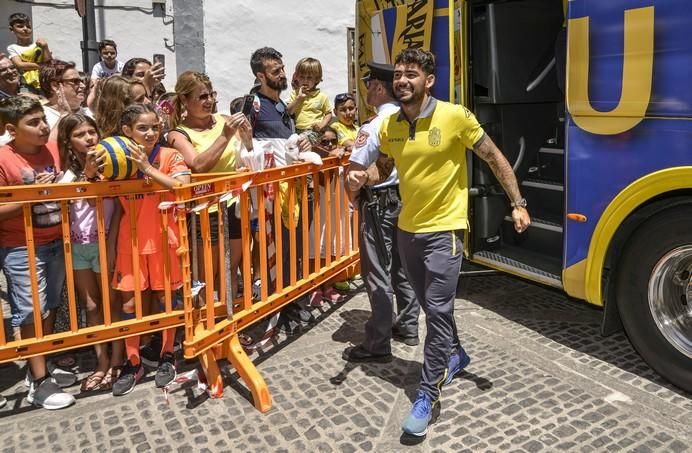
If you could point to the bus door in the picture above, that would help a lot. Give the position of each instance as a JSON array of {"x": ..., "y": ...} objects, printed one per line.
[{"x": 516, "y": 92}]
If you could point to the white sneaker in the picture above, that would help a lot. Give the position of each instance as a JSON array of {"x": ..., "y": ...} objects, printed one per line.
[
  {"x": 61, "y": 377},
  {"x": 49, "y": 395}
]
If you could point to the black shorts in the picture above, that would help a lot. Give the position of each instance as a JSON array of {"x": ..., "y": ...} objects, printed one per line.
[{"x": 233, "y": 226}]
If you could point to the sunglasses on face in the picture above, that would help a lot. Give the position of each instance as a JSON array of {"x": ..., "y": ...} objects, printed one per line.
[
  {"x": 206, "y": 96},
  {"x": 329, "y": 142},
  {"x": 75, "y": 82}
]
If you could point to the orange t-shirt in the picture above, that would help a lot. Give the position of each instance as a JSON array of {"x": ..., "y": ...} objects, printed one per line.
[
  {"x": 147, "y": 214},
  {"x": 17, "y": 169}
]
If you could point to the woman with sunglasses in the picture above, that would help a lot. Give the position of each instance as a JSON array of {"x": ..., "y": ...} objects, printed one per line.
[
  {"x": 64, "y": 89},
  {"x": 209, "y": 142}
]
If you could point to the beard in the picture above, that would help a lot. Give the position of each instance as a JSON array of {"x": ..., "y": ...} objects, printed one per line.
[
  {"x": 279, "y": 85},
  {"x": 412, "y": 97}
]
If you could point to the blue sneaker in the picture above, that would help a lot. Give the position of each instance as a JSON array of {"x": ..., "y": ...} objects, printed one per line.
[
  {"x": 457, "y": 362},
  {"x": 416, "y": 424}
]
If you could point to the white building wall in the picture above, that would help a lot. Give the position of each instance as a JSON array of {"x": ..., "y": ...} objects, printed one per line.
[
  {"x": 130, "y": 23},
  {"x": 233, "y": 29},
  {"x": 296, "y": 28}
]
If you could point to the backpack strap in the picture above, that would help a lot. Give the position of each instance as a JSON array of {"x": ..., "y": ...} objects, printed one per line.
[{"x": 182, "y": 131}]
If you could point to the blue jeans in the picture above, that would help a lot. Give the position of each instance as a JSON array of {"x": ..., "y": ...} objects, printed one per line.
[{"x": 50, "y": 275}]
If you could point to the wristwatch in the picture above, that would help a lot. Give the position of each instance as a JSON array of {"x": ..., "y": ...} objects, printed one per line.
[{"x": 520, "y": 203}]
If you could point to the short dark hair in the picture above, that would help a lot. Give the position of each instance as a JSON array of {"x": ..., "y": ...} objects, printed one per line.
[
  {"x": 341, "y": 98},
  {"x": 423, "y": 58},
  {"x": 129, "y": 66},
  {"x": 388, "y": 87},
  {"x": 52, "y": 71},
  {"x": 18, "y": 18},
  {"x": 107, "y": 42},
  {"x": 260, "y": 55},
  {"x": 13, "y": 108}
]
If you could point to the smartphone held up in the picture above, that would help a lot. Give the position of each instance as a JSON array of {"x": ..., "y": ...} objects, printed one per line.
[{"x": 159, "y": 59}]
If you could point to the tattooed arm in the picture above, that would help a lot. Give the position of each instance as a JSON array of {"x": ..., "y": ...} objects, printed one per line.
[{"x": 489, "y": 152}]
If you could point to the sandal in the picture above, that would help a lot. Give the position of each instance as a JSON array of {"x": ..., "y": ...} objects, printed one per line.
[
  {"x": 114, "y": 372},
  {"x": 111, "y": 376},
  {"x": 93, "y": 381}
]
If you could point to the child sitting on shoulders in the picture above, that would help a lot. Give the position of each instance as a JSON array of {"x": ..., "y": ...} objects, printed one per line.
[
  {"x": 307, "y": 104},
  {"x": 26, "y": 54}
]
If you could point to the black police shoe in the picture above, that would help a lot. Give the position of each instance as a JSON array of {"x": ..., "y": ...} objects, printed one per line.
[
  {"x": 408, "y": 341},
  {"x": 360, "y": 354}
]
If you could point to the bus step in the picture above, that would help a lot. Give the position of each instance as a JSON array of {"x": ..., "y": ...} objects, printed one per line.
[
  {"x": 523, "y": 264},
  {"x": 545, "y": 198},
  {"x": 543, "y": 236}
]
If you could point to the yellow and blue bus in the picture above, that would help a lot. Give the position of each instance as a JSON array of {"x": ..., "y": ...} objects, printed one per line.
[{"x": 591, "y": 101}]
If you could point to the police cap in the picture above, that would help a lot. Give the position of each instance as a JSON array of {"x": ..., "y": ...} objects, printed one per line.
[{"x": 379, "y": 71}]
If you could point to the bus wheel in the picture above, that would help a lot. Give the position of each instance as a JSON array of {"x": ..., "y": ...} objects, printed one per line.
[{"x": 654, "y": 294}]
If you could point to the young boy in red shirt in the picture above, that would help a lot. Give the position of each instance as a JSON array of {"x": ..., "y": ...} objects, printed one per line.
[{"x": 30, "y": 159}]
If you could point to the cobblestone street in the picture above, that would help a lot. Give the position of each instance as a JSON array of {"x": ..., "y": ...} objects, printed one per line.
[{"x": 541, "y": 379}]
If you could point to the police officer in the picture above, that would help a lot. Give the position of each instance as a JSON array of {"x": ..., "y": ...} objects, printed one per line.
[
  {"x": 426, "y": 139},
  {"x": 381, "y": 267}
]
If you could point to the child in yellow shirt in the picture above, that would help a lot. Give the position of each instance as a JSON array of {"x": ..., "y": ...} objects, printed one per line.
[
  {"x": 345, "y": 125},
  {"x": 307, "y": 104}
]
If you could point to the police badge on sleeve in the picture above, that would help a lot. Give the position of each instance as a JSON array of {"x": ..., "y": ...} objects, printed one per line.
[{"x": 362, "y": 138}]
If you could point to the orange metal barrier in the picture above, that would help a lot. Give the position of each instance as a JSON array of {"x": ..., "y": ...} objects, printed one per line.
[
  {"x": 212, "y": 339},
  {"x": 281, "y": 196}
]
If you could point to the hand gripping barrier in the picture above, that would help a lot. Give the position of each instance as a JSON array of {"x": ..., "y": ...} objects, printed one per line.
[{"x": 284, "y": 201}]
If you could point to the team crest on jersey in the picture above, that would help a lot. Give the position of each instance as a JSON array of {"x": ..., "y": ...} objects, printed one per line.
[
  {"x": 361, "y": 139},
  {"x": 434, "y": 137}
]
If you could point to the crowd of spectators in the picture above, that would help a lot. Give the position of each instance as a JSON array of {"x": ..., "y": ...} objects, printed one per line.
[{"x": 52, "y": 116}]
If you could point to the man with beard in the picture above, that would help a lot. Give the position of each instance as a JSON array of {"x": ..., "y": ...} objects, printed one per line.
[
  {"x": 271, "y": 126},
  {"x": 426, "y": 140},
  {"x": 272, "y": 120},
  {"x": 380, "y": 263}
]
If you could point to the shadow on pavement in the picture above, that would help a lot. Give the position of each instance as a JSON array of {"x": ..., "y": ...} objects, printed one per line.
[
  {"x": 552, "y": 314},
  {"x": 406, "y": 372}
]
